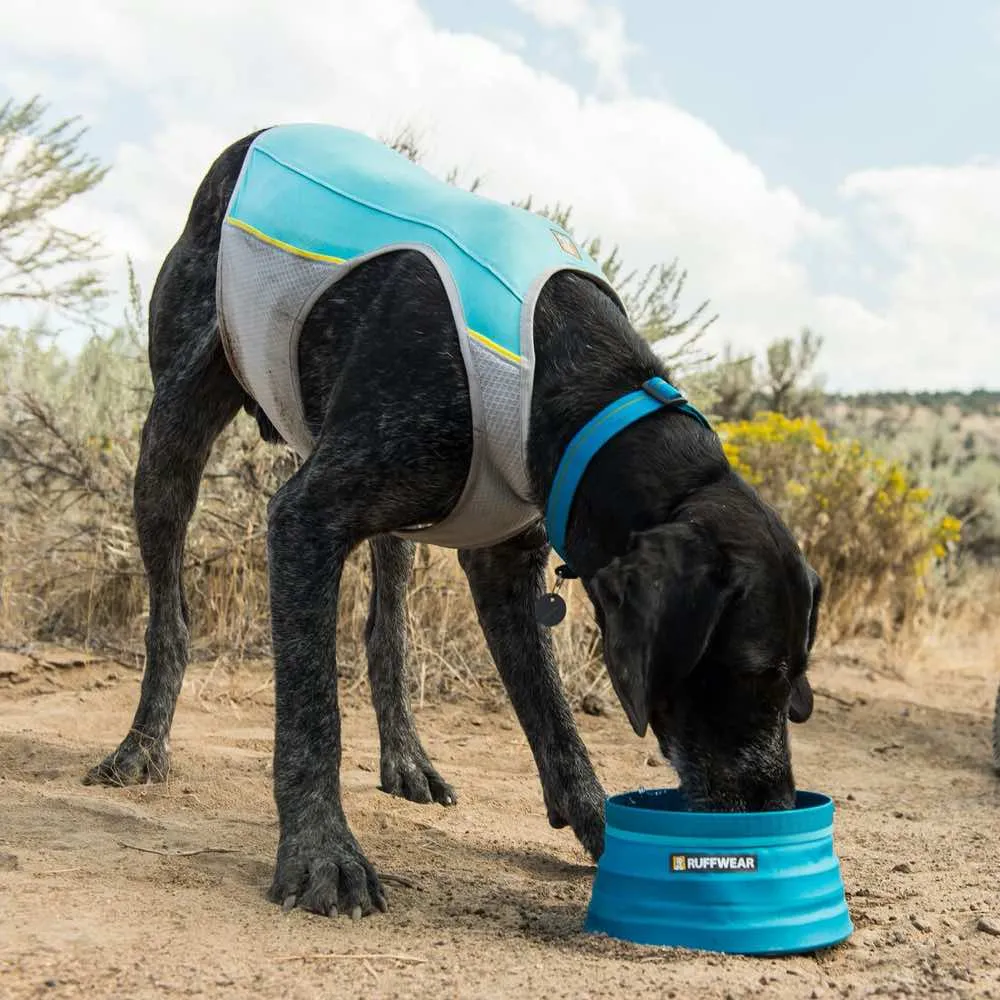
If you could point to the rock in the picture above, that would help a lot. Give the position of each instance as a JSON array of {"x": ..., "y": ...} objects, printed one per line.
[
  {"x": 919, "y": 923},
  {"x": 12, "y": 664},
  {"x": 988, "y": 926},
  {"x": 904, "y": 867},
  {"x": 592, "y": 704},
  {"x": 654, "y": 760},
  {"x": 66, "y": 658},
  {"x": 9, "y": 863}
]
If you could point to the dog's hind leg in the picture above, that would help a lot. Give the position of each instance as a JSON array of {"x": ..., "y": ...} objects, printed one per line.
[
  {"x": 192, "y": 403},
  {"x": 506, "y": 581},
  {"x": 195, "y": 395},
  {"x": 406, "y": 769}
]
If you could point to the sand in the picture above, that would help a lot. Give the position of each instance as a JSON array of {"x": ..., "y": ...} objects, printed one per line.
[{"x": 159, "y": 890}]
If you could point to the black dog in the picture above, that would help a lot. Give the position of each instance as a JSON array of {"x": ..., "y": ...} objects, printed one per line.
[{"x": 707, "y": 607}]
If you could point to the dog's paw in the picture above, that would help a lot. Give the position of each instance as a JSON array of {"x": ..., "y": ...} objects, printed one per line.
[
  {"x": 412, "y": 776},
  {"x": 589, "y": 829},
  {"x": 138, "y": 761},
  {"x": 580, "y": 806},
  {"x": 326, "y": 874}
]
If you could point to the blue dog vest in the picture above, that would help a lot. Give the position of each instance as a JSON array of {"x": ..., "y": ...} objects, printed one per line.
[{"x": 314, "y": 201}]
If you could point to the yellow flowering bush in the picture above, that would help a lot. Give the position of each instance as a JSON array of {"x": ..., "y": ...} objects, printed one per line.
[{"x": 868, "y": 530}]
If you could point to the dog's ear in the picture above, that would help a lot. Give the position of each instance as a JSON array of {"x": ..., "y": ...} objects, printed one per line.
[
  {"x": 800, "y": 705},
  {"x": 816, "y": 586},
  {"x": 660, "y": 601}
]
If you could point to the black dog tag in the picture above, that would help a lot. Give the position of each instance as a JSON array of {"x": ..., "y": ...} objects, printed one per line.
[{"x": 550, "y": 609}]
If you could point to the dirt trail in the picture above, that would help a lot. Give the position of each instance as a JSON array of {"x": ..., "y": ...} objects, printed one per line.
[{"x": 491, "y": 899}]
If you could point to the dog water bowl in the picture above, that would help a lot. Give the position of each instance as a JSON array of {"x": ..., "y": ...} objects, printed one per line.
[{"x": 764, "y": 883}]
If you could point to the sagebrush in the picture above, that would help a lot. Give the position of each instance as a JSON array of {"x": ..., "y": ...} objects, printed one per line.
[
  {"x": 868, "y": 529},
  {"x": 70, "y": 567},
  {"x": 69, "y": 432},
  {"x": 69, "y": 561}
]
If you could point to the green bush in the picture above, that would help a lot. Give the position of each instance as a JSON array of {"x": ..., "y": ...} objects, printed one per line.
[{"x": 869, "y": 531}]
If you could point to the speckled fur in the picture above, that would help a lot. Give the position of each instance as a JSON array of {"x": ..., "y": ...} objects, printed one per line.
[{"x": 706, "y": 605}]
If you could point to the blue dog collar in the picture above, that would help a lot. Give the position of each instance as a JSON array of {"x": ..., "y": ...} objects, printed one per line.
[{"x": 588, "y": 441}]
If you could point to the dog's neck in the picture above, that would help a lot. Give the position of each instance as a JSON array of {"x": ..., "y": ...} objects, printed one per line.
[
  {"x": 587, "y": 355},
  {"x": 635, "y": 482}
]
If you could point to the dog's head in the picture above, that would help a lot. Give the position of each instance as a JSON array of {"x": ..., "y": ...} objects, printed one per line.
[{"x": 708, "y": 622}]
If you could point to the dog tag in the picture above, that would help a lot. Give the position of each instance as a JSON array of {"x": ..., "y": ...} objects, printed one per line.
[{"x": 550, "y": 609}]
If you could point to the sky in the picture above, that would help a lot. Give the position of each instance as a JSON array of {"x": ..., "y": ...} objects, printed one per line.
[{"x": 830, "y": 166}]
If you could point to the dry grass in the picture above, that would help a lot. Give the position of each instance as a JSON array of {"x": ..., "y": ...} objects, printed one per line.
[{"x": 70, "y": 569}]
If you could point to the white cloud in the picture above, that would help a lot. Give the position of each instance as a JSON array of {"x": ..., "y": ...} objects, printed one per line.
[
  {"x": 167, "y": 91},
  {"x": 599, "y": 30},
  {"x": 940, "y": 318},
  {"x": 507, "y": 39}
]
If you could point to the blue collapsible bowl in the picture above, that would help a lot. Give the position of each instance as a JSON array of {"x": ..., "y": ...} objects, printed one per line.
[{"x": 764, "y": 883}]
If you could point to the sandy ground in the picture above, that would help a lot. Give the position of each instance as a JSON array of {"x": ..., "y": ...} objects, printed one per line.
[{"x": 158, "y": 890}]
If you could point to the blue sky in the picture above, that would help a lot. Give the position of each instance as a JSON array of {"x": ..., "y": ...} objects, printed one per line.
[
  {"x": 836, "y": 165},
  {"x": 810, "y": 92}
]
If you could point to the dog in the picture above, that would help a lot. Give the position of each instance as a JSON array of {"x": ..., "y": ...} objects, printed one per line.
[{"x": 707, "y": 607}]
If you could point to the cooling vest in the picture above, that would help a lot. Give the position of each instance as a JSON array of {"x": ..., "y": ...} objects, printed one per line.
[{"x": 314, "y": 201}]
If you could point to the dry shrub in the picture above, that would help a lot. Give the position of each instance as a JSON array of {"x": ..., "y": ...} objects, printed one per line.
[
  {"x": 69, "y": 561},
  {"x": 70, "y": 569},
  {"x": 868, "y": 530}
]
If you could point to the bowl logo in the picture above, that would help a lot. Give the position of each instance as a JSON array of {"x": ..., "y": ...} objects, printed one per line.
[{"x": 713, "y": 863}]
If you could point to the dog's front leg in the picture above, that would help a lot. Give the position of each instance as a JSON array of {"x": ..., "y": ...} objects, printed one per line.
[
  {"x": 506, "y": 580},
  {"x": 320, "y": 866}
]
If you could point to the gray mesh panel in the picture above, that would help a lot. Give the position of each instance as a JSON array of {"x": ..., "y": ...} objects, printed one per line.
[
  {"x": 262, "y": 290},
  {"x": 500, "y": 383},
  {"x": 489, "y": 514},
  {"x": 491, "y": 510}
]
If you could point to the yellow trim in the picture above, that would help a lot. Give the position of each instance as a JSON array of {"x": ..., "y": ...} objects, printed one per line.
[
  {"x": 308, "y": 254},
  {"x": 327, "y": 258},
  {"x": 493, "y": 346}
]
